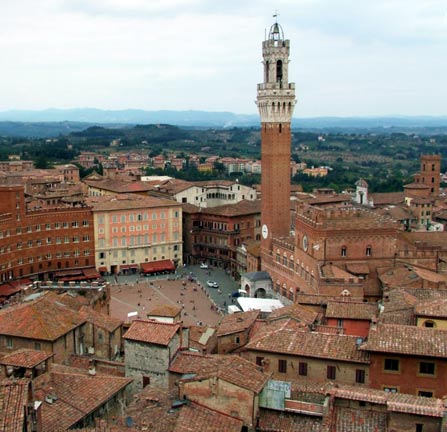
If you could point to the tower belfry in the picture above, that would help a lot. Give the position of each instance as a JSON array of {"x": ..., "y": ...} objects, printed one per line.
[{"x": 276, "y": 101}]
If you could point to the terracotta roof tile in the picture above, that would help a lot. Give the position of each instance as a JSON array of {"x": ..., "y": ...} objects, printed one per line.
[
  {"x": 165, "y": 311},
  {"x": 243, "y": 207},
  {"x": 151, "y": 331},
  {"x": 233, "y": 369},
  {"x": 25, "y": 358},
  {"x": 290, "y": 338},
  {"x": 432, "y": 308},
  {"x": 13, "y": 400},
  {"x": 276, "y": 421},
  {"x": 128, "y": 201},
  {"x": 43, "y": 319},
  {"x": 351, "y": 310},
  {"x": 195, "y": 417},
  {"x": 295, "y": 311},
  {"x": 77, "y": 396},
  {"x": 410, "y": 340},
  {"x": 100, "y": 319},
  {"x": 399, "y": 402},
  {"x": 238, "y": 322},
  {"x": 187, "y": 362}
]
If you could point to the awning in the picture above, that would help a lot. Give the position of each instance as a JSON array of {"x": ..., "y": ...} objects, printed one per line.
[
  {"x": 125, "y": 267},
  {"x": 157, "y": 266},
  {"x": 65, "y": 273},
  {"x": 134, "y": 266},
  {"x": 7, "y": 290},
  {"x": 91, "y": 273},
  {"x": 102, "y": 269}
]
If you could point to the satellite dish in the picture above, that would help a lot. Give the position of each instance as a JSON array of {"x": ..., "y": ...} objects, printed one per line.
[{"x": 129, "y": 422}]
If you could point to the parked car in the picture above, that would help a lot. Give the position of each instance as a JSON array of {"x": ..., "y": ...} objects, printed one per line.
[
  {"x": 212, "y": 284},
  {"x": 203, "y": 266}
]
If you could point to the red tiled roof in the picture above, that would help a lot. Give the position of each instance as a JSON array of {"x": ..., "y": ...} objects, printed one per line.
[
  {"x": 154, "y": 332},
  {"x": 243, "y": 207},
  {"x": 351, "y": 310},
  {"x": 233, "y": 369},
  {"x": 127, "y": 201},
  {"x": 190, "y": 362},
  {"x": 195, "y": 417},
  {"x": 13, "y": 400},
  {"x": 277, "y": 421},
  {"x": 289, "y": 338},
  {"x": 77, "y": 396},
  {"x": 238, "y": 322},
  {"x": 100, "y": 319},
  {"x": 409, "y": 340},
  {"x": 44, "y": 319},
  {"x": 165, "y": 311},
  {"x": 26, "y": 358},
  {"x": 399, "y": 402},
  {"x": 295, "y": 311},
  {"x": 433, "y": 308}
]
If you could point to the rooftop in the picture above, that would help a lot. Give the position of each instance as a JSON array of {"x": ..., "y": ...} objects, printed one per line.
[
  {"x": 13, "y": 400},
  {"x": 78, "y": 395},
  {"x": 151, "y": 331},
  {"x": 26, "y": 358},
  {"x": 236, "y": 323},
  {"x": 407, "y": 340},
  {"x": 351, "y": 310},
  {"x": 43, "y": 319},
  {"x": 289, "y": 337}
]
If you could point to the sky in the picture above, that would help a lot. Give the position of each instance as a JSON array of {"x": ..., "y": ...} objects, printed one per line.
[{"x": 348, "y": 57}]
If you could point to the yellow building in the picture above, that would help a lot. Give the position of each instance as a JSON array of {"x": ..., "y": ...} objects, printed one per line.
[{"x": 131, "y": 230}]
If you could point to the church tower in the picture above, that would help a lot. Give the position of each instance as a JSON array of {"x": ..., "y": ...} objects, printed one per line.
[{"x": 276, "y": 101}]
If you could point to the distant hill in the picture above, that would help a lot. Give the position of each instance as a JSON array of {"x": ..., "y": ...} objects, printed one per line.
[{"x": 53, "y": 122}]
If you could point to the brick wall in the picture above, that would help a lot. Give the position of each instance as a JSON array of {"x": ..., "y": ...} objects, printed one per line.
[
  {"x": 408, "y": 379},
  {"x": 222, "y": 396},
  {"x": 316, "y": 368}
]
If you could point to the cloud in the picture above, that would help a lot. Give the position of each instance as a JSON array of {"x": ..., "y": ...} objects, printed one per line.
[{"x": 347, "y": 57}]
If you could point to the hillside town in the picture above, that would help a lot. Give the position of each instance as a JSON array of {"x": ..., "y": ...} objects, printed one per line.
[{"x": 149, "y": 303}]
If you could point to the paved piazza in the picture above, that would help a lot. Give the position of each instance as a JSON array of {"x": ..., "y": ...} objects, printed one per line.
[{"x": 201, "y": 304}]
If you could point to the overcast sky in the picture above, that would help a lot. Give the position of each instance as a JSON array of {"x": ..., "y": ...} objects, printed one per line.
[{"x": 348, "y": 57}]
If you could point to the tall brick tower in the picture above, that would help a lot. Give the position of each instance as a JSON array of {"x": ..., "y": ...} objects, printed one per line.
[
  {"x": 276, "y": 100},
  {"x": 430, "y": 173}
]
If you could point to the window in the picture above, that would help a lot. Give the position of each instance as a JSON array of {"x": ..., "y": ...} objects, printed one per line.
[
  {"x": 390, "y": 389},
  {"x": 259, "y": 361},
  {"x": 343, "y": 251},
  {"x": 429, "y": 324},
  {"x": 340, "y": 322},
  {"x": 9, "y": 342},
  {"x": 302, "y": 369},
  {"x": 331, "y": 372},
  {"x": 282, "y": 366},
  {"x": 37, "y": 346},
  {"x": 419, "y": 427},
  {"x": 237, "y": 339},
  {"x": 427, "y": 368},
  {"x": 368, "y": 250},
  {"x": 391, "y": 365},
  {"x": 146, "y": 380},
  {"x": 425, "y": 393},
  {"x": 360, "y": 376}
]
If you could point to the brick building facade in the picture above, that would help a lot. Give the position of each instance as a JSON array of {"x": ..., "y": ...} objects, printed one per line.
[
  {"x": 40, "y": 243},
  {"x": 215, "y": 234}
]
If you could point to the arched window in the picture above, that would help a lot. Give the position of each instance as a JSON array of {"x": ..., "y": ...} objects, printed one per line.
[
  {"x": 279, "y": 71},
  {"x": 344, "y": 251},
  {"x": 429, "y": 324},
  {"x": 267, "y": 65},
  {"x": 368, "y": 251}
]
